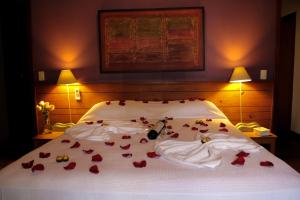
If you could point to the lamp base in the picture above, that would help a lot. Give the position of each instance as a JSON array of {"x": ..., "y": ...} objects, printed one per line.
[{"x": 247, "y": 127}]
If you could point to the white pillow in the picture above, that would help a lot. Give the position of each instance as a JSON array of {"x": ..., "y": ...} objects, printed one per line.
[{"x": 152, "y": 110}]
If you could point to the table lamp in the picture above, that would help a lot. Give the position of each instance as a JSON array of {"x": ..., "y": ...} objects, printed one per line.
[{"x": 66, "y": 77}]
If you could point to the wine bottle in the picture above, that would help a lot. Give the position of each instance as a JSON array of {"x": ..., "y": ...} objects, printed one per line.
[{"x": 156, "y": 130}]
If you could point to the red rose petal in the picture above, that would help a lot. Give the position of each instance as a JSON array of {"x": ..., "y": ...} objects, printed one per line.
[
  {"x": 182, "y": 101},
  {"x": 169, "y": 127},
  {"x": 222, "y": 124},
  {"x": 191, "y": 99},
  {"x": 143, "y": 141},
  {"x": 88, "y": 151},
  {"x": 142, "y": 118},
  {"x": 121, "y": 103},
  {"x": 238, "y": 161},
  {"x": 70, "y": 166},
  {"x": 208, "y": 120},
  {"x": 152, "y": 154},
  {"x": 194, "y": 129},
  {"x": 97, "y": 158},
  {"x": 223, "y": 129},
  {"x": 44, "y": 155},
  {"x": 266, "y": 164},
  {"x": 175, "y": 135},
  {"x": 39, "y": 167},
  {"x": 145, "y": 122},
  {"x": 169, "y": 118},
  {"x": 94, "y": 169},
  {"x": 170, "y": 132},
  {"x": 126, "y": 137},
  {"x": 107, "y": 103},
  {"x": 140, "y": 164},
  {"x": 100, "y": 121},
  {"x": 145, "y": 101},
  {"x": 127, "y": 155},
  {"x": 28, "y": 164},
  {"x": 201, "y": 99},
  {"x": 133, "y": 120},
  {"x": 110, "y": 143},
  {"x": 75, "y": 145},
  {"x": 204, "y": 131},
  {"x": 89, "y": 123},
  {"x": 186, "y": 125},
  {"x": 165, "y": 102},
  {"x": 125, "y": 147},
  {"x": 242, "y": 154},
  {"x": 65, "y": 141}
]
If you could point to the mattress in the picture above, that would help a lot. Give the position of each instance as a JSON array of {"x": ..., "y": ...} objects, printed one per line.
[{"x": 128, "y": 168}]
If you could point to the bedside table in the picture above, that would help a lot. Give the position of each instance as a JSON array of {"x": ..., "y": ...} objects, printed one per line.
[
  {"x": 41, "y": 139},
  {"x": 268, "y": 141}
]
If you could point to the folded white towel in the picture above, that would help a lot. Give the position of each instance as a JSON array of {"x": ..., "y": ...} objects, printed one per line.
[
  {"x": 101, "y": 132},
  {"x": 188, "y": 153}
]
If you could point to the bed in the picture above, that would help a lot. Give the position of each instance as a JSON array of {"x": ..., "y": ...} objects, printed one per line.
[{"x": 107, "y": 155}]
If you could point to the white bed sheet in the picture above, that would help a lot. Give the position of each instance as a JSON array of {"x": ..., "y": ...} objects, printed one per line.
[{"x": 159, "y": 180}]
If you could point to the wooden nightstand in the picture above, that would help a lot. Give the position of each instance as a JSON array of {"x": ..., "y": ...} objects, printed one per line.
[
  {"x": 268, "y": 141},
  {"x": 41, "y": 139}
]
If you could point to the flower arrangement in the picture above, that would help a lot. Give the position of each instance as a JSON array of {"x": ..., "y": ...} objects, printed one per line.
[{"x": 45, "y": 108}]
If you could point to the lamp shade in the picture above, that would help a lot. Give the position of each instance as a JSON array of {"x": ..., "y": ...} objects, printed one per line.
[
  {"x": 66, "y": 77},
  {"x": 240, "y": 74}
]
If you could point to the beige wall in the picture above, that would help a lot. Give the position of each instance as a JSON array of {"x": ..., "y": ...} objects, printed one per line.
[{"x": 289, "y": 6}]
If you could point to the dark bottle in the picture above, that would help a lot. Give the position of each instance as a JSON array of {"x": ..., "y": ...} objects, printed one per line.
[{"x": 156, "y": 130}]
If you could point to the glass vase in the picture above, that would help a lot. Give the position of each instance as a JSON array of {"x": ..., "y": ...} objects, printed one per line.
[{"x": 47, "y": 123}]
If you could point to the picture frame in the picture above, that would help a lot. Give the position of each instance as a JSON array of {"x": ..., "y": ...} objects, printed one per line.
[{"x": 151, "y": 40}]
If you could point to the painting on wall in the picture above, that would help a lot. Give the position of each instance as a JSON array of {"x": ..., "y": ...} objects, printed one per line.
[{"x": 151, "y": 40}]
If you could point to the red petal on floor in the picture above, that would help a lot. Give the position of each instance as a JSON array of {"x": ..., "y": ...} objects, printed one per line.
[
  {"x": 97, "y": 158},
  {"x": 266, "y": 164},
  {"x": 28, "y": 165},
  {"x": 39, "y": 167},
  {"x": 70, "y": 166},
  {"x": 94, "y": 169}
]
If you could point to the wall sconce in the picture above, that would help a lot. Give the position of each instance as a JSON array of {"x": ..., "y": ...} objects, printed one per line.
[
  {"x": 240, "y": 75},
  {"x": 66, "y": 77}
]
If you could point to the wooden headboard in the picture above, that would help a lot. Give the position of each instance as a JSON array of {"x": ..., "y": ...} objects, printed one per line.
[{"x": 257, "y": 98}]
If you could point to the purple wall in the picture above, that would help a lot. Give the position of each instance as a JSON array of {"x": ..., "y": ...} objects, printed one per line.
[{"x": 65, "y": 35}]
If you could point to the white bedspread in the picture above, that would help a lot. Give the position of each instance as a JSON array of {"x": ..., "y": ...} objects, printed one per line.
[{"x": 160, "y": 179}]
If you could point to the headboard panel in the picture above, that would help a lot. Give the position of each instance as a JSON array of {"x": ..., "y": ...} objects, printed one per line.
[{"x": 256, "y": 99}]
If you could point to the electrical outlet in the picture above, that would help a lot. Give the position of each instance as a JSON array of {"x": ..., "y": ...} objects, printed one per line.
[
  {"x": 263, "y": 74},
  {"x": 77, "y": 94},
  {"x": 41, "y": 75}
]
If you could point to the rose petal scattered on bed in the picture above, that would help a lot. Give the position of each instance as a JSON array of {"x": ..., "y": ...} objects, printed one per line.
[
  {"x": 75, "y": 145},
  {"x": 170, "y": 132},
  {"x": 140, "y": 164},
  {"x": 100, "y": 121},
  {"x": 28, "y": 165},
  {"x": 94, "y": 169},
  {"x": 133, "y": 120},
  {"x": 203, "y": 131},
  {"x": 266, "y": 164},
  {"x": 65, "y": 141},
  {"x": 108, "y": 103},
  {"x": 144, "y": 101},
  {"x": 122, "y": 103},
  {"x": 222, "y": 124},
  {"x": 186, "y": 125},
  {"x": 169, "y": 127},
  {"x": 194, "y": 128},
  {"x": 145, "y": 122},
  {"x": 242, "y": 154},
  {"x": 70, "y": 166},
  {"x": 88, "y": 151},
  {"x": 175, "y": 135},
  {"x": 127, "y": 155},
  {"x": 238, "y": 161},
  {"x": 152, "y": 154},
  {"x": 165, "y": 102},
  {"x": 169, "y": 118},
  {"x": 181, "y": 101},
  {"x": 89, "y": 123},
  {"x": 201, "y": 99},
  {"x": 125, "y": 147},
  {"x": 143, "y": 141},
  {"x": 38, "y": 167},
  {"x": 208, "y": 120},
  {"x": 110, "y": 143},
  {"x": 126, "y": 137},
  {"x": 44, "y": 155},
  {"x": 97, "y": 158},
  {"x": 223, "y": 129},
  {"x": 192, "y": 99},
  {"x": 142, "y": 118}
]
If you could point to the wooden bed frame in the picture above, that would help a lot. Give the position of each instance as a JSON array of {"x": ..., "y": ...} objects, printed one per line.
[{"x": 257, "y": 97}]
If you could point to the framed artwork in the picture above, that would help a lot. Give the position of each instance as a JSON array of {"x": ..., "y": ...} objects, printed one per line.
[{"x": 151, "y": 40}]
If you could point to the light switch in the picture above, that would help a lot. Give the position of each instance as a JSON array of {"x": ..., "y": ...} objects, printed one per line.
[
  {"x": 263, "y": 74},
  {"x": 77, "y": 94},
  {"x": 41, "y": 75}
]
